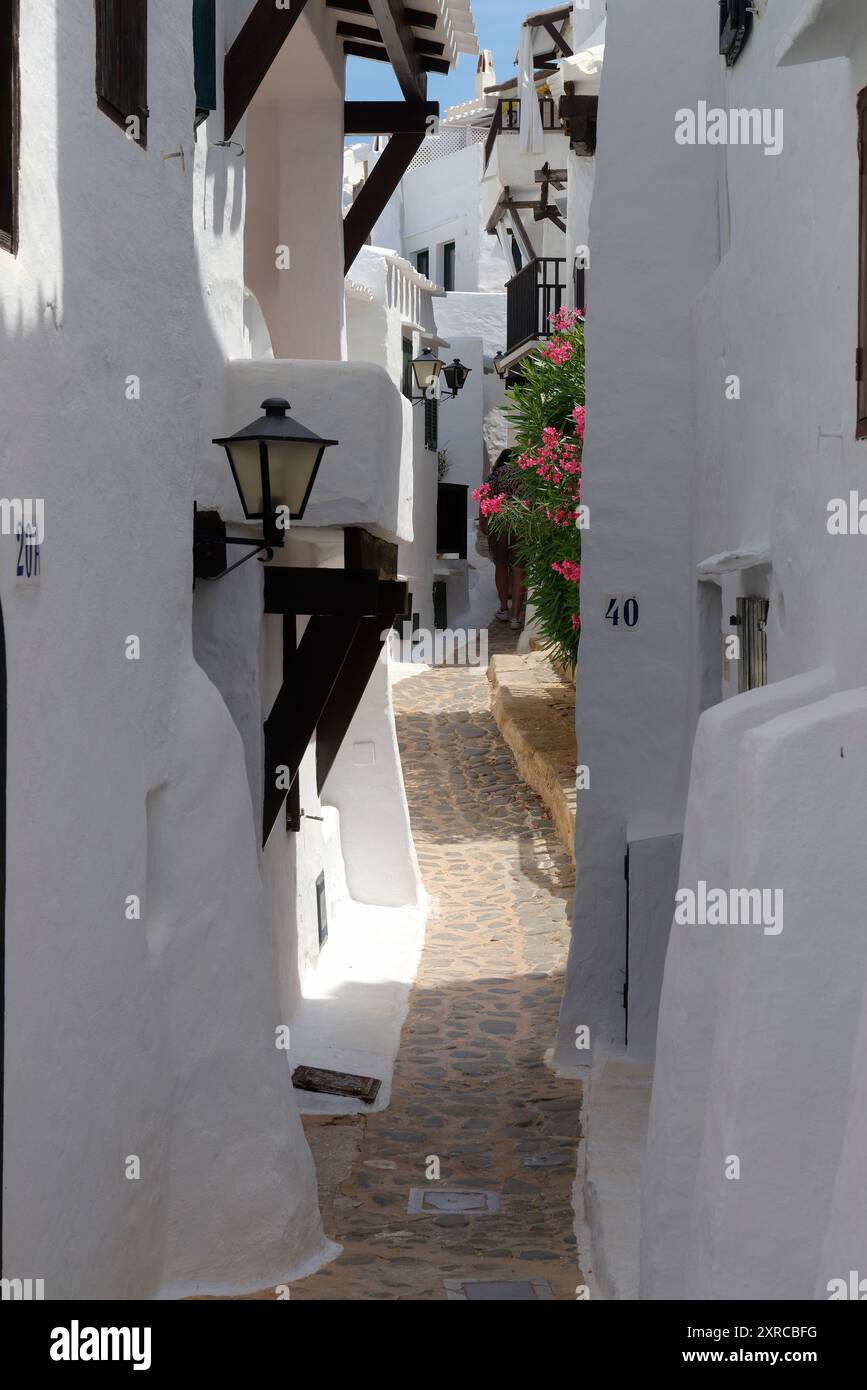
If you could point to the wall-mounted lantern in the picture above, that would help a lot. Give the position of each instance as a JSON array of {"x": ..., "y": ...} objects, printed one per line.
[
  {"x": 456, "y": 376},
  {"x": 427, "y": 369},
  {"x": 274, "y": 462},
  {"x": 498, "y": 364}
]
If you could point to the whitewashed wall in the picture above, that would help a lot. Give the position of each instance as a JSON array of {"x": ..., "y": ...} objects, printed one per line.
[
  {"x": 776, "y": 1068},
  {"x": 633, "y": 689},
  {"x": 152, "y": 1037}
]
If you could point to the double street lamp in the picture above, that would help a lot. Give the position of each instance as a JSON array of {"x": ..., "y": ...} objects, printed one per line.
[{"x": 428, "y": 369}]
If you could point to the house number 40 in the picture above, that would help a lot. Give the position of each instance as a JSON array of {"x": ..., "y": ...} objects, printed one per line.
[{"x": 621, "y": 612}]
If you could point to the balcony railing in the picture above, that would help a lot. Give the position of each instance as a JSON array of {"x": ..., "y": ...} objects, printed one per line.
[
  {"x": 507, "y": 120},
  {"x": 535, "y": 293}
]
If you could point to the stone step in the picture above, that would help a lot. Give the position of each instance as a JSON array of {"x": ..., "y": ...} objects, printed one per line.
[{"x": 534, "y": 707}]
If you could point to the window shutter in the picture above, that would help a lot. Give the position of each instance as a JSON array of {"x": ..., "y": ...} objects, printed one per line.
[
  {"x": 735, "y": 27},
  {"x": 8, "y": 124},
  {"x": 407, "y": 368},
  {"x": 431, "y": 424},
  {"x": 121, "y": 60},
  {"x": 752, "y": 621},
  {"x": 205, "y": 54},
  {"x": 861, "y": 357}
]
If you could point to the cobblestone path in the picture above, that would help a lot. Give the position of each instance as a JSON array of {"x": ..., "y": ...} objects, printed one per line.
[{"x": 470, "y": 1084}]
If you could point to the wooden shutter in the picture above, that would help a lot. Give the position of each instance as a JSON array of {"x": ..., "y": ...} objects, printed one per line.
[
  {"x": 752, "y": 621},
  {"x": 408, "y": 378},
  {"x": 861, "y": 357},
  {"x": 122, "y": 60},
  {"x": 431, "y": 423},
  {"x": 9, "y": 118},
  {"x": 205, "y": 54}
]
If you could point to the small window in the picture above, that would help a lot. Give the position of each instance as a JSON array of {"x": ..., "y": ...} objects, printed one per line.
[
  {"x": 205, "y": 57},
  {"x": 861, "y": 369},
  {"x": 735, "y": 27},
  {"x": 431, "y": 424},
  {"x": 449, "y": 266},
  {"x": 122, "y": 64},
  {"x": 9, "y": 125},
  {"x": 407, "y": 368},
  {"x": 422, "y": 262}
]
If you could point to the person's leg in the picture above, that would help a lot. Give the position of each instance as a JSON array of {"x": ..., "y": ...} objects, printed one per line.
[
  {"x": 502, "y": 577},
  {"x": 517, "y": 592}
]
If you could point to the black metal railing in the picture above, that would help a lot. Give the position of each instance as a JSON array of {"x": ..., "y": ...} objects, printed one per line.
[
  {"x": 532, "y": 296},
  {"x": 507, "y": 120}
]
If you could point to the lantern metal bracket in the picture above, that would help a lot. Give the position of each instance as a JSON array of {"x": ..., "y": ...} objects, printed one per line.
[{"x": 210, "y": 541}]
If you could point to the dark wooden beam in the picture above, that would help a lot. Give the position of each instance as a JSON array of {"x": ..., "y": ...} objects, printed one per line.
[
  {"x": 252, "y": 54},
  {"x": 323, "y": 592},
  {"x": 417, "y": 19},
  {"x": 358, "y": 31},
  {"x": 368, "y": 35},
  {"x": 493, "y": 131},
  {"x": 559, "y": 41},
  {"x": 298, "y": 708},
  {"x": 434, "y": 65},
  {"x": 364, "y": 551},
  {"x": 375, "y": 193},
  {"x": 430, "y": 46},
  {"x": 393, "y": 25},
  {"x": 388, "y": 117},
  {"x": 348, "y": 690},
  {"x": 365, "y": 50},
  {"x": 556, "y": 17},
  {"x": 557, "y": 177}
]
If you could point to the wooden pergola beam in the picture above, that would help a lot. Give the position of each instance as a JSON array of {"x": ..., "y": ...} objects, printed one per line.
[
  {"x": 417, "y": 19},
  {"x": 559, "y": 41},
  {"x": 396, "y": 30},
  {"x": 252, "y": 55},
  {"x": 389, "y": 117},
  {"x": 375, "y": 193},
  {"x": 557, "y": 17}
]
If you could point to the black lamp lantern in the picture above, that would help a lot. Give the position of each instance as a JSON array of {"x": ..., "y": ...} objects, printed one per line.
[
  {"x": 456, "y": 376},
  {"x": 498, "y": 364},
  {"x": 427, "y": 369},
  {"x": 274, "y": 462}
]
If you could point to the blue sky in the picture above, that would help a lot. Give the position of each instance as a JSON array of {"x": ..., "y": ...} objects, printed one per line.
[{"x": 497, "y": 23}]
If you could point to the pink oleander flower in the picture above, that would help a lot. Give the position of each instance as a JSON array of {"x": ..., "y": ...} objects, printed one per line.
[
  {"x": 491, "y": 505},
  {"x": 568, "y": 569},
  {"x": 576, "y": 622},
  {"x": 579, "y": 415},
  {"x": 558, "y": 351},
  {"x": 564, "y": 319}
]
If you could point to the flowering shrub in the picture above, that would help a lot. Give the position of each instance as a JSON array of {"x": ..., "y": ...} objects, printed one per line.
[{"x": 547, "y": 410}]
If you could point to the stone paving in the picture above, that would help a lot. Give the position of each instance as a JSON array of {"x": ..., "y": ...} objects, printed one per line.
[{"x": 471, "y": 1091}]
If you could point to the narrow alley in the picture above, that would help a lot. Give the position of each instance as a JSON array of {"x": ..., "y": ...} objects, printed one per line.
[{"x": 471, "y": 1087}]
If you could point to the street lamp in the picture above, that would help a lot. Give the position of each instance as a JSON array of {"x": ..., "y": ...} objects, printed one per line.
[
  {"x": 427, "y": 369},
  {"x": 274, "y": 462},
  {"x": 456, "y": 376}
]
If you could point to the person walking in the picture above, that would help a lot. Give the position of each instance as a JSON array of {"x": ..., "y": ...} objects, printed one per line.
[{"x": 503, "y": 548}]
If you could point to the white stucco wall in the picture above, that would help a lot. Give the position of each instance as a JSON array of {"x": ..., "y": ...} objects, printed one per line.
[
  {"x": 152, "y": 1037},
  {"x": 633, "y": 689},
  {"x": 767, "y": 465}
]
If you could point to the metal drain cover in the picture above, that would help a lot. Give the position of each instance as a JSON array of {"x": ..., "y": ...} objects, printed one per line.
[
  {"x": 499, "y": 1290},
  {"x": 451, "y": 1199}
]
